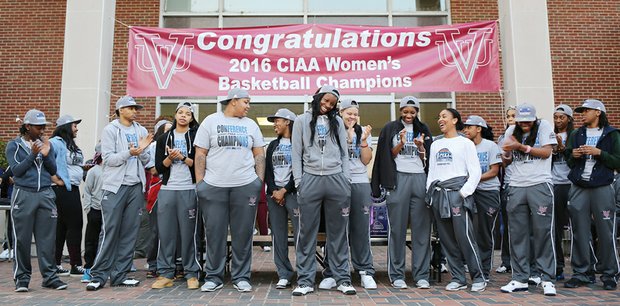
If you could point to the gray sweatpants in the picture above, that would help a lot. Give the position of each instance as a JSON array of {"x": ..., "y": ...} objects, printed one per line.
[
  {"x": 278, "y": 219},
  {"x": 531, "y": 209},
  {"x": 176, "y": 217},
  {"x": 585, "y": 205},
  {"x": 34, "y": 212},
  {"x": 332, "y": 192},
  {"x": 222, "y": 207},
  {"x": 458, "y": 240},
  {"x": 487, "y": 206},
  {"x": 406, "y": 205},
  {"x": 120, "y": 223}
]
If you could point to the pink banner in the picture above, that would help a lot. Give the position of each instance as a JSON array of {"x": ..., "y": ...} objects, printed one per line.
[{"x": 297, "y": 59}]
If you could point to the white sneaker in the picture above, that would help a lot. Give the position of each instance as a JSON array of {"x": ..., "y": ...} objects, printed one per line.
[
  {"x": 399, "y": 284},
  {"x": 243, "y": 286},
  {"x": 478, "y": 287},
  {"x": 129, "y": 282},
  {"x": 368, "y": 282},
  {"x": 534, "y": 280},
  {"x": 347, "y": 288},
  {"x": 282, "y": 283},
  {"x": 548, "y": 288},
  {"x": 266, "y": 249},
  {"x": 423, "y": 284},
  {"x": 327, "y": 283},
  {"x": 93, "y": 286},
  {"x": 444, "y": 268},
  {"x": 210, "y": 286},
  {"x": 502, "y": 269},
  {"x": 303, "y": 290},
  {"x": 455, "y": 286},
  {"x": 514, "y": 286},
  {"x": 5, "y": 254}
]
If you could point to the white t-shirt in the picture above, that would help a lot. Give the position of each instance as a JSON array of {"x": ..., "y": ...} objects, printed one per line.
[
  {"x": 408, "y": 159},
  {"x": 180, "y": 177},
  {"x": 560, "y": 169},
  {"x": 359, "y": 172},
  {"x": 230, "y": 140},
  {"x": 528, "y": 170},
  {"x": 282, "y": 162},
  {"x": 75, "y": 161},
  {"x": 133, "y": 164},
  {"x": 592, "y": 137},
  {"x": 454, "y": 157},
  {"x": 488, "y": 154}
]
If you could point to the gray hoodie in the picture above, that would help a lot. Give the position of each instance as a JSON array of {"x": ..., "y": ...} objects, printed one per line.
[
  {"x": 30, "y": 171},
  {"x": 318, "y": 159},
  {"x": 115, "y": 152}
]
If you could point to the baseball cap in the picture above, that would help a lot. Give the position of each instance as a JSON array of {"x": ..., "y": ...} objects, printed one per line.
[
  {"x": 186, "y": 104},
  {"x": 476, "y": 120},
  {"x": 525, "y": 112},
  {"x": 410, "y": 101},
  {"x": 127, "y": 101},
  {"x": 160, "y": 123},
  {"x": 235, "y": 93},
  {"x": 35, "y": 117},
  {"x": 346, "y": 103},
  {"x": 329, "y": 89},
  {"x": 564, "y": 109},
  {"x": 591, "y": 104},
  {"x": 282, "y": 113},
  {"x": 66, "y": 119}
]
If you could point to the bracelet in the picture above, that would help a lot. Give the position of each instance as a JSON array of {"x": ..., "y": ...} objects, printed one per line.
[
  {"x": 364, "y": 146},
  {"x": 528, "y": 149}
]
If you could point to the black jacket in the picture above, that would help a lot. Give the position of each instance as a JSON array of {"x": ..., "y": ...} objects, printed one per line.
[
  {"x": 384, "y": 167},
  {"x": 269, "y": 177},
  {"x": 167, "y": 139},
  {"x": 603, "y": 170}
]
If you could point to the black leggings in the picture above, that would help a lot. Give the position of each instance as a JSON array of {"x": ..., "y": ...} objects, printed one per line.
[
  {"x": 69, "y": 228},
  {"x": 91, "y": 237}
]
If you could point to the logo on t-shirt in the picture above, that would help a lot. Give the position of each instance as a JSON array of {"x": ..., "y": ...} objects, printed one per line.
[
  {"x": 321, "y": 131},
  {"x": 180, "y": 144},
  {"x": 409, "y": 149},
  {"x": 282, "y": 156},
  {"x": 232, "y": 136},
  {"x": 483, "y": 157},
  {"x": 444, "y": 157},
  {"x": 354, "y": 150}
]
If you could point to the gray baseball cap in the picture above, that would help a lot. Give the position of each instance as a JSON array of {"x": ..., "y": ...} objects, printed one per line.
[
  {"x": 127, "y": 101},
  {"x": 409, "y": 101},
  {"x": 186, "y": 104},
  {"x": 476, "y": 120},
  {"x": 66, "y": 119},
  {"x": 282, "y": 113},
  {"x": 564, "y": 109},
  {"x": 525, "y": 112},
  {"x": 346, "y": 103},
  {"x": 160, "y": 123},
  {"x": 235, "y": 93},
  {"x": 35, "y": 117},
  {"x": 591, "y": 104},
  {"x": 329, "y": 89}
]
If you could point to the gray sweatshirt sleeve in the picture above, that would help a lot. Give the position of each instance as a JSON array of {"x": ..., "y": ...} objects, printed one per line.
[
  {"x": 145, "y": 156},
  {"x": 342, "y": 134},
  {"x": 108, "y": 148},
  {"x": 297, "y": 153},
  {"x": 89, "y": 190}
]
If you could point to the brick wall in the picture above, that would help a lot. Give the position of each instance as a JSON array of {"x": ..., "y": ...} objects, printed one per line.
[{"x": 31, "y": 52}]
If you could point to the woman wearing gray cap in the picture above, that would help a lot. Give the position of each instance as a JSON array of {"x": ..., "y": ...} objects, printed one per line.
[
  {"x": 322, "y": 178},
  {"x": 593, "y": 152},
  {"x": 281, "y": 193},
  {"x": 69, "y": 165},
  {"x": 400, "y": 170},
  {"x": 33, "y": 211},
  {"x": 230, "y": 168},
  {"x": 530, "y": 201}
]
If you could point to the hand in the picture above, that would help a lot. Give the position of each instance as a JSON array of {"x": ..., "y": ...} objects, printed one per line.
[
  {"x": 278, "y": 196},
  {"x": 174, "y": 154},
  {"x": 577, "y": 153},
  {"x": 56, "y": 180},
  {"x": 590, "y": 150},
  {"x": 145, "y": 141},
  {"x": 559, "y": 147},
  {"x": 403, "y": 136},
  {"x": 511, "y": 144},
  {"x": 366, "y": 133},
  {"x": 419, "y": 142},
  {"x": 35, "y": 148},
  {"x": 134, "y": 151},
  {"x": 350, "y": 133},
  {"x": 45, "y": 146}
]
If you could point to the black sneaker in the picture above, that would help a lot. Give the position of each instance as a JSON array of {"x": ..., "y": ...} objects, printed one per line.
[
  {"x": 76, "y": 271},
  {"x": 573, "y": 283},
  {"x": 60, "y": 271},
  {"x": 609, "y": 285},
  {"x": 57, "y": 285},
  {"x": 21, "y": 286}
]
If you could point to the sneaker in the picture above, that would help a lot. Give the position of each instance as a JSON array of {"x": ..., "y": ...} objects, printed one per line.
[
  {"x": 60, "y": 271},
  {"x": 57, "y": 285},
  {"x": 347, "y": 288},
  {"x": 133, "y": 268},
  {"x": 503, "y": 269},
  {"x": 423, "y": 284},
  {"x": 455, "y": 286},
  {"x": 368, "y": 282},
  {"x": 128, "y": 282},
  {"x": 243, "y": 286},
  {"x": 327, "y": 283},
  {"x": 282, "y": 283},
  {"x": 76, "y": 271},
  {"x": 399, "y": 284},
  {"x": 548, "y": 288},
  {"x": 193, "y": 283},
  {"x": 514, "y": 286},
  {"x": 609, "y": 285},
  {"x": 5, "y": 255},
  {"x": 93, "y": 286},
  {"x": 151, "y": 274},
  {"x": 559, "y": 276},
  {"x": 86, "y": 277},
  {"x": 534, "y": 280},
  {"x": 444, "y": 268},
  {"x": 266, "y": 249},
  {"x": 574, "y": 283},
  {"x": 21, "y": 287},
  {"x": 162, "y": 282},
  {"x": 210, "y": 286},
  {"x": 303, "y": 290},
  {"x": 478, "y": 287}
]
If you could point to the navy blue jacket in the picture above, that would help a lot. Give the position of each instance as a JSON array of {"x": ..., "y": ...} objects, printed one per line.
[{"x": 603, "y": 170}]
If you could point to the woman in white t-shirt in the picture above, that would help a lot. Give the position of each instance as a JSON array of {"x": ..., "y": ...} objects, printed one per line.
[
  {"x": 453, "y": 175},
  {"x": 530, "y": 201},
  {"x": 230, "y": 168}
]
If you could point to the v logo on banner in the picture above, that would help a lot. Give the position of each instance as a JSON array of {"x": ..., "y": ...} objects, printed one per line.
[
  {"x": 467, "y": 55},
  {"x": 163, "y": 59}
]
